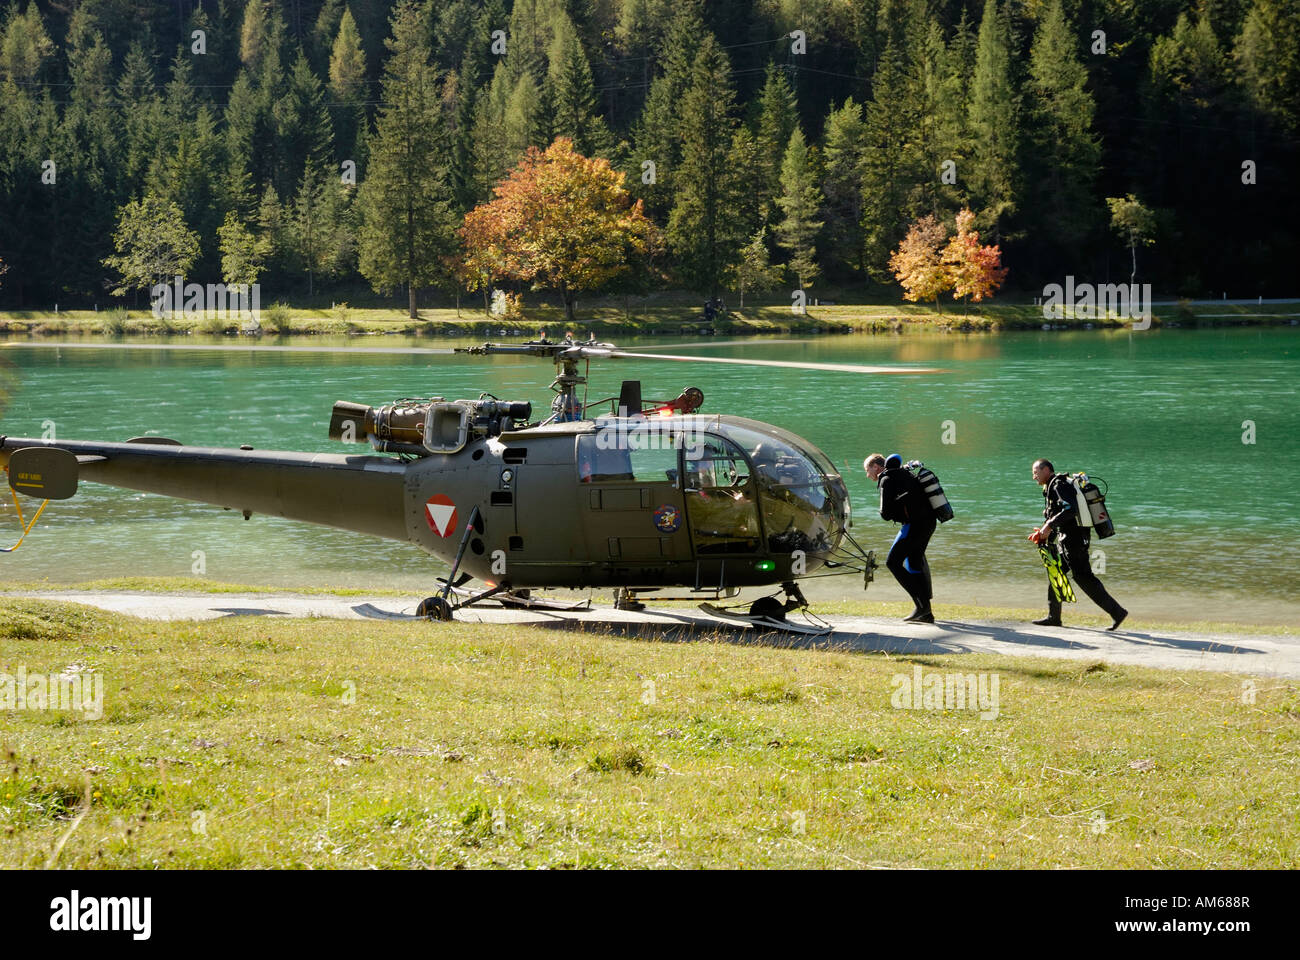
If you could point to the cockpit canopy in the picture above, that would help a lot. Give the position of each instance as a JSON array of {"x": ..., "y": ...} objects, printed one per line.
[{"x": 759, "y": 470}]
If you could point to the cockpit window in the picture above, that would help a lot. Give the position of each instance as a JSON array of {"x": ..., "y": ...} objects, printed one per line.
[
  {"x": 802, "y": 500},
  {"x": 781, "y": 465},
  {"x": 712, "y": 462}
]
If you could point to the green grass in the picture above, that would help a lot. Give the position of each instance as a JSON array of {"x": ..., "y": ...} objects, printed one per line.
[
  {"x": 666, "y": 314},
  {"x": 258, "y": 743},
  {"x": 185, "y": 585}
]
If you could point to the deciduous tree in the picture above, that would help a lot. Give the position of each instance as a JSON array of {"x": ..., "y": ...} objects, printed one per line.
[
  {"x": 561, "y": 221},
  {"x": 976, "y": 269},
  {"x": 153, "y": 244},
  {"x": 918, "y": 262}
]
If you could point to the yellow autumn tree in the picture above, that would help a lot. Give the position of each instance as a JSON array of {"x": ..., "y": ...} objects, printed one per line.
[
  {"x": 918, "y": 262},
  {"x": 560, "y": 221}
]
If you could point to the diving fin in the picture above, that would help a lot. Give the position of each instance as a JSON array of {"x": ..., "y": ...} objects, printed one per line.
[{"x": 1056, "y": 575}]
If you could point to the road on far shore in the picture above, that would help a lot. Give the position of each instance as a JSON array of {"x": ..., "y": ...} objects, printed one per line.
[{"x": 1267, "y": 655}]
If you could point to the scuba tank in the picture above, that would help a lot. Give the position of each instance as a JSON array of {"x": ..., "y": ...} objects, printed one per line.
[
  {"x": 933, "y": 491},
  {"x": 1092, "y": 506}
]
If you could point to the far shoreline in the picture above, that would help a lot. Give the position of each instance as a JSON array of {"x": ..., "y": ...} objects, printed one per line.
[{"x": 676, "y": 319}]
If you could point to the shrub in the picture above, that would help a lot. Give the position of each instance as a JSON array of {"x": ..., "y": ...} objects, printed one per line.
[{"x": 276, "y": 317}]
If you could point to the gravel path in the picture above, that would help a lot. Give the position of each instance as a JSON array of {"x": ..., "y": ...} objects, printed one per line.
[{"x": 1275, "y": 655}]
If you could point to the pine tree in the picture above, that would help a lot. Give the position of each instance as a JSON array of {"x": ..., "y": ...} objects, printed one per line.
[
  {"x": 1066, "y": 153},
  {"x": 246, "y": 156},
  {"x": 255, "y": 36},
  {"x": 524, "y": 119},
  {"x": 90, "y": 185},
  {"x": 305, "y": 137},
  {"x": 658, "y": 135},
  {"x": 702, "y": 230},
  {"x": 29, "y": 126},
  {"x": 274, "y": 230},
  {"x": 842, "y": 184},
  {"x": 529, "y": 38},
  {"x": 886, "y": 181},
  {"x": 347, "y": 91},
  {"x": 1273, "y": 28},
  {"x": 800, "y": 202},
  {"x": 573, "y": 94},
  {"x": 748, "y": 210},
  {"x": 938, "y": 150},
  {"x": 777, "y": 118},
  {"x": 325, "y": 32},
  {"x": 25, "y": 46},
  {"x": 753, "y": 271},
  {"x": 490, "y": 156},
  {"x": 995, "y": 126},
  {"x": 190, "y": 149},
  {"x": 313, "y": 223},
  {"x": 406, "y": 213}
]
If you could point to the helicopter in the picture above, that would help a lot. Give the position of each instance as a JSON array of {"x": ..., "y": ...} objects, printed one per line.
[{"x": 636, "y": 495}]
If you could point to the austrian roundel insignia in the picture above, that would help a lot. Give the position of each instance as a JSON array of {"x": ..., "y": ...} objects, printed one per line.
[
  {"x": 440, "y": 514},
  {"x": 668, "y": 519}
]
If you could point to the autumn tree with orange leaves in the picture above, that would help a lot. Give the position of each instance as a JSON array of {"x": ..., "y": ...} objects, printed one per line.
[
  {"x": 560, "y": 221},
  {"x": 976, "y": 269},
  {"x": 928, "y": 262},
  {"x": 918, "y": 261}
]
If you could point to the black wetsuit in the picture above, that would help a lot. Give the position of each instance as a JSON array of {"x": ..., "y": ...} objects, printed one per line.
[
  {"x": 903, "y": 500},
  {"x": 1061, "y": 514}
]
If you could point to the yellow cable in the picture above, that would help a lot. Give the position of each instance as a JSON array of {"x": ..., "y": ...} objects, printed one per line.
[{"x": 28, "y": 527}]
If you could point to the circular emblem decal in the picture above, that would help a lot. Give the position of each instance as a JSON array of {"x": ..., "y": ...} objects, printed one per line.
[
  {"x": 440, "y": 513},
  {"x": 668, "y": 519}
]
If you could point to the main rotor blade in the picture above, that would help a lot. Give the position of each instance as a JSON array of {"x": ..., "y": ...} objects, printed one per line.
[
  {"x": 704, "y": 344},
  {"x": 793, "y": 364},
  {"x": 226, "y": 347}
]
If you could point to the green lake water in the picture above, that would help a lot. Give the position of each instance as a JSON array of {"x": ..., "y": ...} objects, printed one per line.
[{"x": 1207, "y": 524}]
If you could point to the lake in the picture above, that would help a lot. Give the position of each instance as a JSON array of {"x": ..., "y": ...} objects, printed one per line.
[{"x": 1207, "y": 524}]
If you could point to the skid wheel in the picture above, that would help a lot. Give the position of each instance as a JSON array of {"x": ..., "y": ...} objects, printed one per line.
[
  {"x": 768, "y": 607},
  {"x": 434, "y": 608}
]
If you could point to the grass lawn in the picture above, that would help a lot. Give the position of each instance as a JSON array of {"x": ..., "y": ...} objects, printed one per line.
[{"x": 255, "y": 743}]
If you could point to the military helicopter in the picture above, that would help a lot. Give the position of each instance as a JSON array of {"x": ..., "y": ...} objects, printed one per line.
[{"x": 624, "y": 493}]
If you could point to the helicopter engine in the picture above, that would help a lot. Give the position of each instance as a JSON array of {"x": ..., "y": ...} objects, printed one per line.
[{"x": 420, "y": 427}]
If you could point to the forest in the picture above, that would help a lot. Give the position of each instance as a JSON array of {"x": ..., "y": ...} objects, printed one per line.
[{"x": 339, "y": 148}]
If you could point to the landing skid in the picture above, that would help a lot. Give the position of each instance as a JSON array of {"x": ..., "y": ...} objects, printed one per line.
[
  {"x": 768, "y": 622},
  {"x": 513, "y": 599}
]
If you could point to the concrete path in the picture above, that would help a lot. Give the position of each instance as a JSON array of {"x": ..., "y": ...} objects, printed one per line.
[{"x": 1275, "y": 655}]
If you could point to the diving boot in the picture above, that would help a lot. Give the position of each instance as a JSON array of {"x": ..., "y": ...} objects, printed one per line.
[
  {"x": 1048, "y": 621},
  {"x": 1119, "y": 618},
  {"x": 923, "y": 613}
]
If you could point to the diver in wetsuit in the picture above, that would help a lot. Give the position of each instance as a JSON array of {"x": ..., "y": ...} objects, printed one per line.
[
  {"x": 903, "y": 500},
  {"x": 1061, "y": 519}
]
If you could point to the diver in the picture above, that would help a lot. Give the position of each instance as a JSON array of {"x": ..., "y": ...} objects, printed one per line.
[
  {"x": 1061, "y": 518},
  {"x": 903, "y": 500}
]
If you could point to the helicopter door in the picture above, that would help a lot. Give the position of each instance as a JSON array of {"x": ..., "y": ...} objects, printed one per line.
[
  {"x": 629, "y": 500},
  {"x": 721, "y": 499}
]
